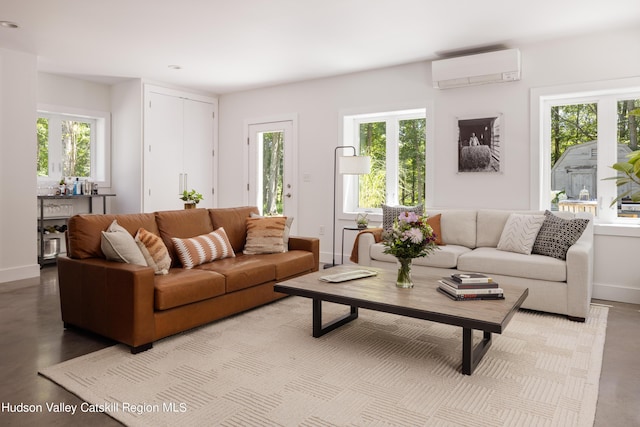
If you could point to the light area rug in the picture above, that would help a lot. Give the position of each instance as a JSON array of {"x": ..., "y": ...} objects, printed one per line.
[{"x": 263, "y": 368}]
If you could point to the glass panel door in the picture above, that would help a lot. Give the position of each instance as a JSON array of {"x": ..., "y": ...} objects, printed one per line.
[{"x": 271, "y": 164}]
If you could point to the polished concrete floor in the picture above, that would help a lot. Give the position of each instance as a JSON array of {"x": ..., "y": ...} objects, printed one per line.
[{"x": 33, "y": 337}]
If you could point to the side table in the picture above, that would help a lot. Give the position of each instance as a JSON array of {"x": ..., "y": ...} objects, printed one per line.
[{"x": 352, "y": 228}]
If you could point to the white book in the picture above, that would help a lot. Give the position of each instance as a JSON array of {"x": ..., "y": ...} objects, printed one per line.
[{"x": 482, "y": 291}]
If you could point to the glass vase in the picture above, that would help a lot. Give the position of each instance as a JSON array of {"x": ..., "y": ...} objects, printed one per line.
[{"x": 404, "y": 273}]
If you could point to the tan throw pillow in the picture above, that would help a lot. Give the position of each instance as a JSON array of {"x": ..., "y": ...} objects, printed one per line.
[
  {"x": 520, "y": 232},
  {"x": 118, "y": 245},
  {"x": 434, "y": 222},
  {"x": 287, "y": 229},
  {"x": 154, "y": 251},
  {"x": 205, "y": 248},
  {"x": 265, "y": 235}
]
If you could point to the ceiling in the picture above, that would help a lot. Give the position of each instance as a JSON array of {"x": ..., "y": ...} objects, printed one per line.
[{"x": 231, "y": 45}]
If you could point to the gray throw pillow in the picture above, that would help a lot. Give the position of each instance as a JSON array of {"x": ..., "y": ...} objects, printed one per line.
[
  {"x": 390, "y": 214},
  {"x": 557, "y": 235},
  {"x": 118, "y": 245}
]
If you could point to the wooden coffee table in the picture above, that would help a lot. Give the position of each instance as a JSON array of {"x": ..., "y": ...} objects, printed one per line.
[{"x": 423, "y": 301}]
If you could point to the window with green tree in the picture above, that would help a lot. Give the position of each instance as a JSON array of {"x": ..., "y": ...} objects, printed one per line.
[
  {"x": 72, "y": 145},
  {"x": 396, "y": 143}
]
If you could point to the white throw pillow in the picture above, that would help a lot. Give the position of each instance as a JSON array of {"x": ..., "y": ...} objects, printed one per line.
[{"x": 520, "y": 232}]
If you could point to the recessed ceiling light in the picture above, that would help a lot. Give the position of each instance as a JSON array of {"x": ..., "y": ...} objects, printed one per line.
[
  {"x": 8, "y": 24},
  {"x": 175, "y": 67}
]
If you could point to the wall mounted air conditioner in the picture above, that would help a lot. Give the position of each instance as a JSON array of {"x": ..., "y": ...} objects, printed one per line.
[{"x": 491, "y": 67}]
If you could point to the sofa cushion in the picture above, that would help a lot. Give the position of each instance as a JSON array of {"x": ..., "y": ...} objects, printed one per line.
[
  {"x": 204, "y": 248},
  {"x": 557, "y": 235},
  {"x": 182, "y": 224},
  {"x": 243, "y": 271},
  {"x": 154, "y": 251},
  {"x": 291, "y": 263},
  {"x": 444, "y": 257},
  {"x": 84, "y": 231},
  {"x": 182, "y": 286},
  {"x": 496, "y": 262},
  {"x": 265, "y": 235},
  {"x": 458, "y": 227},
  {"x": 490, "y": 226},
  {"x": 390, "y": 213},
  {"x": 520, "y": 233},
  {"x": 233, "y": 220},
  {"x": 118, "y": 245},
  {"x": 491, "y": 223}
]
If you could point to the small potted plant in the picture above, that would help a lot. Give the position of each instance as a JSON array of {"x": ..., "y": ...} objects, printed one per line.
[
  {"x": 190, "y": 198},
  {"x": 362, "y": 221}
]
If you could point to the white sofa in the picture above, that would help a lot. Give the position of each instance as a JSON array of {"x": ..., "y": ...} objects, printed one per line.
[{"x": 471, "y": 238}]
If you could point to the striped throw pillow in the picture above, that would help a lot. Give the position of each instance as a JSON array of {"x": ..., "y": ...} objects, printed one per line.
[
  {"x": 154, "y": 251},
  {"x": 205, "y": 248},
  {"x": 265, "y": 235}
]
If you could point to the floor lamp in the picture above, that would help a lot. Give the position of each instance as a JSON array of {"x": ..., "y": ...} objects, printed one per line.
[{"x": 349, "y": 165}]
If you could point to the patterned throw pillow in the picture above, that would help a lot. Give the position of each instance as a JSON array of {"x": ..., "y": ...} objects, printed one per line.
[
  {"x": 557, "y": 235},
  {"x": 520, "y": 232},
  {"x": 265, "y": 235},
  {"x": 205, "y": 248},
  {"x": 390, "y": 214},
  {"x": 154, "y": 251},
  {"x": 287, "y": 229},
  {"x": 118, "y": 245}
]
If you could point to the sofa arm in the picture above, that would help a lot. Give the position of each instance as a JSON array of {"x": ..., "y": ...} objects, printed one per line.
[
  {"x": 309, "y": 244},
  {"x": 365, "y": 240},
  {"x": 579, "y": 278},
  {"x": 109, "y": 298}
]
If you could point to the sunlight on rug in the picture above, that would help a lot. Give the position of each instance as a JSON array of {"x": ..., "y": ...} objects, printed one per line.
[{"x": 264, "y": 368}]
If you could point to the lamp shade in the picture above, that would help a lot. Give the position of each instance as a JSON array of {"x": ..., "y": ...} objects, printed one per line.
[{"x": 354, "y": 165}]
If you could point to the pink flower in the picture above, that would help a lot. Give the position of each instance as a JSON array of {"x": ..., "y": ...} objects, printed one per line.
[
  {"x": 408, "y": 217},
  {"x": 414, "y": 235}
]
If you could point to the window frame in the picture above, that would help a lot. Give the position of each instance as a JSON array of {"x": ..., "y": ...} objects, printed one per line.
[
  {"x": 606, "y": 95},
  {"x": 351, "y": 122},
  {"x": 100, "y": 141}
]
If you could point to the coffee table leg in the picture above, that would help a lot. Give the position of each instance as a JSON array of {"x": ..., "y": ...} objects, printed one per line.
[
  {"x": 471, "y": 355},
  {"x": 319, "y": 329}
]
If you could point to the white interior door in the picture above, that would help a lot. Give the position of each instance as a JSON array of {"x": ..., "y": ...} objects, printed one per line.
[
  {"x": 163, "y": 157},
  {"x": 198, "y": 131},
  {"x": 272, "y": 164},
  {"x": 178, "y": 150}
]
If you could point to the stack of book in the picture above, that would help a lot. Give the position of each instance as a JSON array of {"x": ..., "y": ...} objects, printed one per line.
[{"x": 470, "y": 286}]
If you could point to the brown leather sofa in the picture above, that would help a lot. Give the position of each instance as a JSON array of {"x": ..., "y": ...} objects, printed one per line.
[{"x": 130, "y": 304}]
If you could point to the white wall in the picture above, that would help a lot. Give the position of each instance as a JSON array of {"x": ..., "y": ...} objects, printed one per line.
[
  {"x": 18, "y": 80},
  {"x": 73, "y": 93},
  {"x": 318, "y": 104},
  {"x": 126, "y": 146}
]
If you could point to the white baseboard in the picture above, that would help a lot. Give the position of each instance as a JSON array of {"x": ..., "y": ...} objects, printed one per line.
[
  {"x": 616, "y": 293},
  {"x": 19, "y": 273}
]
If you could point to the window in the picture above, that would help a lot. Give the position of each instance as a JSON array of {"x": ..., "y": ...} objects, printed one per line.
[
  {"x": 396, "y": 143},
  {"x": 583, "y": 134},
  {"x": 72, "y": 145}
]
